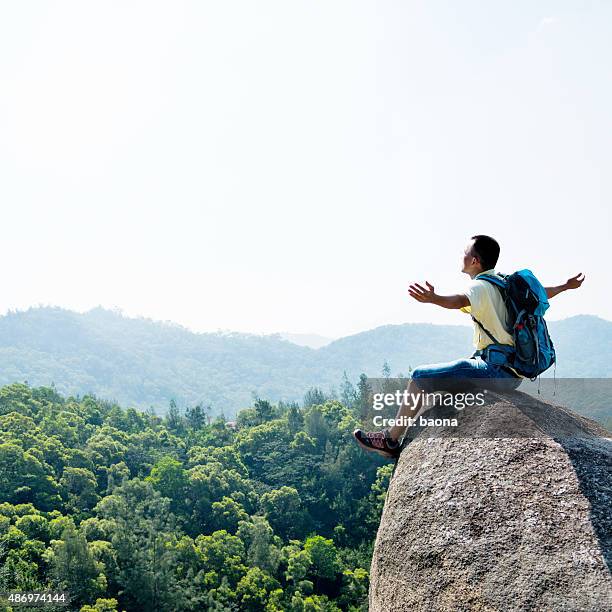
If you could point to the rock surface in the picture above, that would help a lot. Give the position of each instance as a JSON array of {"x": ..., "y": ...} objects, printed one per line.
[{"x": 511, "y": 510}]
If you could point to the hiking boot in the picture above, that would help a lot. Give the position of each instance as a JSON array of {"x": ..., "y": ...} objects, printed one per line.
[{"x": 378, "y": 441}]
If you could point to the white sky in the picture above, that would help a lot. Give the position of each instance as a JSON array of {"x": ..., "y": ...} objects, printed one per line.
[{"x": 266, "y": 166}]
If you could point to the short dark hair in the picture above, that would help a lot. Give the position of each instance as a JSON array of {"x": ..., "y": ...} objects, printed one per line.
[{"x": 486, "y": 249}]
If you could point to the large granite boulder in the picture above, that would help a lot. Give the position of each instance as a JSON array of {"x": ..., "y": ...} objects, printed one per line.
[{"x": 510, "y": 510}]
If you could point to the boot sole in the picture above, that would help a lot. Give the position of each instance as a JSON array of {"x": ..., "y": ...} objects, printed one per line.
[{"x": 386, "y": 454}]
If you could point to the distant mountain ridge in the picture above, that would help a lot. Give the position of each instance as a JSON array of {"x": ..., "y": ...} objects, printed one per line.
[
  {"x": 142, "y": 363},
  {"x": 314, "y": 341}
]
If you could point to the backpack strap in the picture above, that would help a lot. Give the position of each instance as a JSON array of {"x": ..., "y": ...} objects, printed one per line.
[
  {"x": 502, "y": 286},
  {"x": 498, "y": 282},
  {"x": 486, "y": 331}
]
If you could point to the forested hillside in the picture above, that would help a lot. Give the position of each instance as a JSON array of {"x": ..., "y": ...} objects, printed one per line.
[
  {"x": 127, "y": 510},
  {"x": 142, "y": 363}
]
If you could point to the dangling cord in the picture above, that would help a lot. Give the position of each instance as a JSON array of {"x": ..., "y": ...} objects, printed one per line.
[
  {"x": 539, "y": 382},
  {"x": 555, "y": 380}
]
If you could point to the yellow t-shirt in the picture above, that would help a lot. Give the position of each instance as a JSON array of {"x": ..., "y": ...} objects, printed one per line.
[{"x": 487, "y": 305}]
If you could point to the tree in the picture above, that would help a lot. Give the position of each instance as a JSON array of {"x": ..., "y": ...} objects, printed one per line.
[
  {"x": 210, "y": 483},
  {"x": 372, "y": 505},
  {"x": 316, "y": 426},
  {"x": 197, "y": 417},
  {"x": 364, "y": 396},
  {"x": 283, "y": 509},
  {"x": 254, "y": 589},
  {"x": 354, "y": 587},
  {"x": 324, "y": 557},
  {"x": 227, "y": 456},
  {"x": 74, "y": 568},
  {"x": 298, "y": 565},
  {"x": 221, "y": 555},
  {"x": 79, "y": 489},
  {"x": 117, "y": 474},
  {"x": 386, "y": 370},
  {"x": 142, "y": 527},
  {"x": 313, "y": 397},
  {"x": 263, "y": 449},
  {"x": 102, "y": 605},
  {"x": 263, "y": 547},
  {"x": 295, "y": 419},
  {"x": 174, "y": 420},
  {"x": 25, "y": 478},
  {"x": 35, "y": 526},
  {"x": 227, "y": 514},
  {"x": 107, "y": 446},
  {"x": 348, "y": 395},
  {"x": 170, "y": 478},
  {"x": 264, "y": 411}
]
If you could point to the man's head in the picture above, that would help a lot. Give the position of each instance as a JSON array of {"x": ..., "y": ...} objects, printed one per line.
[{"x": 481, "y": 253}]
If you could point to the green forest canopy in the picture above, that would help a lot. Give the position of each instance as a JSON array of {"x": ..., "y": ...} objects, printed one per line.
[{"x": 130, "y": 511}]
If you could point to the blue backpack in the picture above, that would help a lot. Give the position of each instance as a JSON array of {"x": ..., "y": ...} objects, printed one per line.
[{"x": 526, "y": 301}]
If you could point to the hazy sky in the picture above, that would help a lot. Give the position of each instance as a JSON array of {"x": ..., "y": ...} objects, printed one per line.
[{"x": 268, "y": 166}]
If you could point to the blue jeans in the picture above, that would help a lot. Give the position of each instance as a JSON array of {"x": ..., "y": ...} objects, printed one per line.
[{"x": 464, "y": 374}]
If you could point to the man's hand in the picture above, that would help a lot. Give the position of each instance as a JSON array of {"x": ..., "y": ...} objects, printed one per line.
[
  {"x": 420, "y": 294},
  {"x": 571, "y": 283},
  {"x": 575, "y": 281},
  {"x": 429, "y": 296}
]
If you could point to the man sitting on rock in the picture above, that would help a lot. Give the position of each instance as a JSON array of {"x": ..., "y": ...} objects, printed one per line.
[{"x": 485, "y": 303}]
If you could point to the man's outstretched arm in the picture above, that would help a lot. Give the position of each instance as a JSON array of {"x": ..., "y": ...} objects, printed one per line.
[
  {"x": 571, "y": 283},
  {"x": 429, "y": 296}
]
